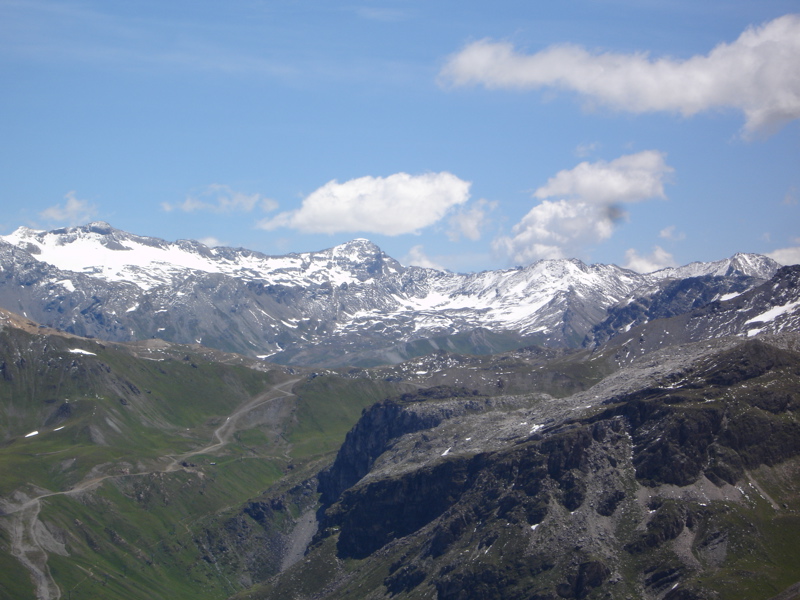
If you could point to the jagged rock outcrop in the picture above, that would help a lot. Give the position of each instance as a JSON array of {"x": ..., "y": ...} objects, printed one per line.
[
  {"x": 370, "y": 437},
  {"x": 635, "y": 494}
]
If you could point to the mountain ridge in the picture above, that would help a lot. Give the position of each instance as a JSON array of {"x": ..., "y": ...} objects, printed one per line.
[
  {"x": 325, "y": 308},
  {"x": 357, "y": 250}
]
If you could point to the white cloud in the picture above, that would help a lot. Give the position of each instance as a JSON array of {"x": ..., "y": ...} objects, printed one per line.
[
  {"x": 72, "y": 212},
  {"x": 629, "y": 178},
  {"x": 219, "y": 198},
  {"x": 470, "y": 221},
  {"x": 786, "y": 256},
  {"x": 657, "y": 259},
  {"x": 669, "y": 233},
  {"x": 416, "y": 257},
  {"x": 589, "y": 207},
  {"x": 759, "y": 74},
  {"x": 556, "y": 229},
  {"x": 393, "y": 205}
]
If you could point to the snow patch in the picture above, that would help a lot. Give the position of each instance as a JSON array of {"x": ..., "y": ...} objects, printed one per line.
[
  {"x": 730, "y": 296},
  {"x": 773, "y": 313}
]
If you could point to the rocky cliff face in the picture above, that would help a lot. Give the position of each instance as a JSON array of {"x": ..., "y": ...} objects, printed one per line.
[
  {"x": 666, "y": 481},
  {"x": 378, "y": 425},
  {"x": 386, "y": 421}
]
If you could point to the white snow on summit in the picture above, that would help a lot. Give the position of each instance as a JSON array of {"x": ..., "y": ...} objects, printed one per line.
[
  {"x": 365, "y": 288},
  {"x": 90, "y": 253},
  {"x": 98, "y": 250},
  {"x": 754, "y": 265}
]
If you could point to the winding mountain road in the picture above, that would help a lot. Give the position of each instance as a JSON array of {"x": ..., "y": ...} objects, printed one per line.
[{"x": 31, "y": 542}]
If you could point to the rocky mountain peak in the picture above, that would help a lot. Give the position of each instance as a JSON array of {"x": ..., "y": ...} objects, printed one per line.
[
  {"x": 751, "y": 265},
  {"x": 358, "y": 245},
  {"x": 100, "y": 227},
  {"x": 359, "y": 250},
  {"x": 746, "y": 264}
]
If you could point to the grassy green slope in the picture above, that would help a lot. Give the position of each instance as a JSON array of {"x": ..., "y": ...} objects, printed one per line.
[
  {"x": 101, "y": 412},
  {"x": 150, "y": 525},
  {"x": 328, "y": 408},
  {"x": 105, "y": 406}
]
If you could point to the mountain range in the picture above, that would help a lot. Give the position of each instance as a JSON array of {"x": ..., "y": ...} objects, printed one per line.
[
  {"x": 348, "y": 305},
  {"x": 555, "y": 431}
]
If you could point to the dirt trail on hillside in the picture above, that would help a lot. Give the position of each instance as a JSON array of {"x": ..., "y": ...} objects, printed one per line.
[
  {"x": 224, "y": 432},
  {"x": 31, "y": 542}
]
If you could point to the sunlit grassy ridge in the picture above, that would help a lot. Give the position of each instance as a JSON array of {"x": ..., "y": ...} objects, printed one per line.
[{"x": 94, "y": 404}]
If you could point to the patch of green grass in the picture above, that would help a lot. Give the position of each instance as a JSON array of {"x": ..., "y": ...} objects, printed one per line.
[
  {"x": 327, "y": 408},
  {"x": 142, "y": 536},
  {"x": 252, "y": 437},
  {"x": 763, "y": 556},
  {"x": 15, "y": 582},
  {"x": 135, "y": 536},
  {"x": 106, "y": 406}
]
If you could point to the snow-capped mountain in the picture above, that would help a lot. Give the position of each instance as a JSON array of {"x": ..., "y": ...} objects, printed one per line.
[
  {"x": 329, "y": 307},
  {"x": 749, "y": 265},
  {"x": 100, "y": 251},
  {"x": 770, "y": 308}
]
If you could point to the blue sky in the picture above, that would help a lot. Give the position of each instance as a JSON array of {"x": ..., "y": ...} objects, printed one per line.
[{"x": 464, "y": 135}]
